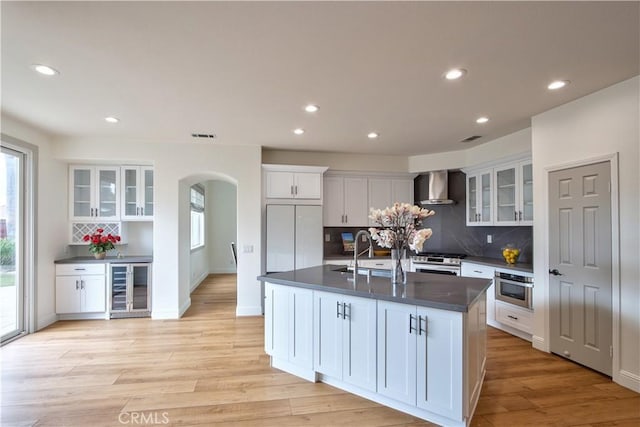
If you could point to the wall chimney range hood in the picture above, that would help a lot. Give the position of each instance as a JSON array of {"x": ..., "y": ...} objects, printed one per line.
[{"x": 438, "y": 189}]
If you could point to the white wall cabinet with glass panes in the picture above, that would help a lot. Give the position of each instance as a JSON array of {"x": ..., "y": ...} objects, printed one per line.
[
  {"x": 94, "y": 192},
  {"x": 514, "y": 194},
  {"x": 137, "y": 193},
  {"x": 480, "y": 198}
]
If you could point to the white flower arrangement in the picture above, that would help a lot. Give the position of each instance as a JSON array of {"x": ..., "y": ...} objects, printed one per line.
[{"x": 398, "y": 226}]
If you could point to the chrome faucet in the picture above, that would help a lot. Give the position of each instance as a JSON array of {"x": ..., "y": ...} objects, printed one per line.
[{"x": 355, "y": 249}]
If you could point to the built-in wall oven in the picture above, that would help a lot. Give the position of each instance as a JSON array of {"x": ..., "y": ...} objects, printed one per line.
[
  {"x": 437, "y": 263},
  {"x": 514, "y": 289}
]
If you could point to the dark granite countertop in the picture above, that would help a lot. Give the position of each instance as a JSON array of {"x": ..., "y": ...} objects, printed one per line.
[
  {"x": 499, "y": 263},
  {"x": 131, "y": 259},
  {"x": 350, "y": 257},
  {"x": 451, "y": 293}
]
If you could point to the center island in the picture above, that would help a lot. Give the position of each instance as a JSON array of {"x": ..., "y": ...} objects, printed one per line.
[{"x": 419, "y": 347}]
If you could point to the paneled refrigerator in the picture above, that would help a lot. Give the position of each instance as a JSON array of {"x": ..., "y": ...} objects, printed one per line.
[{"x": 294, "y": 237}]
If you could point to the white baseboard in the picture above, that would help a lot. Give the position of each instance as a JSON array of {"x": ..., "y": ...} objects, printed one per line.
[
  {"x": 44, "y": 321},
  {"x": 248, "y": 311},
  {"x": 164, "y": 314},
  {"x": 184, "y": 307},
  {"x": 628, "y": 379},
  {"x": 227, "y": 270},
  {"x": 197, "y": 282},
  {"x": 539, "y": 344},
  {"x": 83, "y": 316}
]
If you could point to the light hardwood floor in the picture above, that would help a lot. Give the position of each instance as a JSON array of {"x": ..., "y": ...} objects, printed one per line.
[{"x": 209, "y": 368}]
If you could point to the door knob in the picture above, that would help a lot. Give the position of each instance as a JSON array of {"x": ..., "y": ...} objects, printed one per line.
[{"x": 555, "y": 272}]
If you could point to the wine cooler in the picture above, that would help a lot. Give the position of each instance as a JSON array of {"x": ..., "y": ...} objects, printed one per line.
[{"x": 130, "y": 294}]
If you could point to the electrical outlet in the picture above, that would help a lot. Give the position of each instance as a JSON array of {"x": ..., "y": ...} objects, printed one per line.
[
  {"x": 489, "y": 238},
  {"x": 327, "y": 237}
]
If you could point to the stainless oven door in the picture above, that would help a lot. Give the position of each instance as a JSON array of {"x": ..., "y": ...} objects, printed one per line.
[
  {"x": 513, "y": 292},
  {"x": 437, "y": 269}
]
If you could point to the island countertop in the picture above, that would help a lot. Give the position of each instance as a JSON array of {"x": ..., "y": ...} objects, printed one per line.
[{"x": 453, "y": 293}]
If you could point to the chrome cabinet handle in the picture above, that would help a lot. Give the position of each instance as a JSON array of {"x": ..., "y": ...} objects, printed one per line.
[
  {"x": 81, "y": 284},
  {"x": 292, "y": 190},
  {"x": 344, "y": 310},
  {"x": 520, "y": 215},
  {"x": 296, "y": 190},
  {"x": 77, "y": 286},
  {"x": 142, "y": 211},
  {"x": 512, "y": 317},
  {"x": 515, "y": 215},
  {"x": 338, "y": 309},
  {"x": 346, "y": 219}
]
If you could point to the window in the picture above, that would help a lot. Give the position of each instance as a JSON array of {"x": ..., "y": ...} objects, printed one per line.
[{"x": 197, "y": 216}]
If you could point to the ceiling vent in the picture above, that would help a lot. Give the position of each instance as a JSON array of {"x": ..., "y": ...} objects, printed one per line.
[
  {"x": 204, "y": 135},
  {"x": 471, "y": 138}
]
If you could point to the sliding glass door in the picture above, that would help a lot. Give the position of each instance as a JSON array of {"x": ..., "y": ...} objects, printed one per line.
[{"x": 12, "y": 294}]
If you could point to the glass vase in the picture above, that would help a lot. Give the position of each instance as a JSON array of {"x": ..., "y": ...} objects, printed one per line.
[{"x": 399, "y": 266}]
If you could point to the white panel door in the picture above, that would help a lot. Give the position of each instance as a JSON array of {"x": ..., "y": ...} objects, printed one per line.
[
  {"x": 93, "y": 294},
  {"x": 359, "y": 342},
  {"x": 333, "y": 201},
  {"x": 279, "y": 185},
  {"x": 356, "y": 209},
  {"x": 402, "y": 191},
  {"x": 308, "y": 236},
  {"x": 439, "y": 358},
  {"x": 67, "y": 294},
  {"x": 280, "y": 238},
  {"x": 301, "y": 327},
  {"x": 307, "y": 185},
  {"x": 328, "y": 325},
  {"x": 580, "y": 265},
  {"x": 397, "y": 351}
]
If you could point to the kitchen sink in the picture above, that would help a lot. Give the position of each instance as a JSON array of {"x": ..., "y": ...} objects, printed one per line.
[{"x": 378, "y": 272}]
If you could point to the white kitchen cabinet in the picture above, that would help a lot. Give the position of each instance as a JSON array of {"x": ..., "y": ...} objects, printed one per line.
[
  {"x": 137, "y": 193},
  {"x": 94, "y": 193},
  {"x": 469, "y": 269},
  {"x": 80, "y": 288},
  {"x": 480, "y": 198},
  {"x": 345, "y": 338},
  {"x": 384, "y": 192},
  {"x": 289, "y": 326},
  {"x": 345, "y": 201},
  {"x": 293, "y": 185},
  {"x": 514, "y": 194},
  {"x": 514, "y": 316},
  {"x": 420, "y": 354}
]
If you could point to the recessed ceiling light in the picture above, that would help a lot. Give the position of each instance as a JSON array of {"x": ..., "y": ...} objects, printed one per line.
[
  {"x": 482, "y": 120},
  {"x": 45, "y": 69},
  {"x": 455, "y": 73},
  {"x": 111, "y": 119},
  {"x": 558, "y": 84},
  {"x": 372, "y": 135},
  {"x": 298, "y": 131},
  {"x": 311, "y": 108}
]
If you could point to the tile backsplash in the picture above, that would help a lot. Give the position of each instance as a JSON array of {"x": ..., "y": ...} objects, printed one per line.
[{"x": 450, "y": 232}]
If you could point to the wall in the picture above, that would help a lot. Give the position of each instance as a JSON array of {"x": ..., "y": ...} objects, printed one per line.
[
  {"x": 177, "y": 166},
  {"x": 599, "y": 124},
  {"x": 222, "y": 226},
  {"x": 509, "y": 145},
  {"x": 198, "y": 266},
  {"x": 337, "y": 161},
  {"x": 139, "y": 238},
  {"x": 51, "y": 226}
]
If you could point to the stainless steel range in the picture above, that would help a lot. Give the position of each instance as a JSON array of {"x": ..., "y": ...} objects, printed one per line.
[{"x": 438, "y": 263}]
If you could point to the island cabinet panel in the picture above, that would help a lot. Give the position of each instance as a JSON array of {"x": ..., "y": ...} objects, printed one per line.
[
  {"x": 289, "y": 324},
  {"x": 345, "y": 338},
  {"x": 439, "y": 384},
  {"x": 397, "y": 351}
]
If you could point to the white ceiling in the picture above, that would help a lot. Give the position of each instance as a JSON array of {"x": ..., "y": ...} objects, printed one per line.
[{"x": 245, "y": 70}]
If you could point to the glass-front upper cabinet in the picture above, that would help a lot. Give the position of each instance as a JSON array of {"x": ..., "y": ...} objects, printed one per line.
[
  {"x": 514, "y": 194},
  {"x": 480, "y": 198},
  {"x": 94, "y": 192},
  {"x": 137, "y": 193}
]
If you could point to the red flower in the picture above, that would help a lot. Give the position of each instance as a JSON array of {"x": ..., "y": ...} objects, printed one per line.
[
  {"x": 104, "y": 239},
  {"x": 99, "y": 231},
  {"x": 86, "y": 238},
  {"x": 118, "y": 238}
]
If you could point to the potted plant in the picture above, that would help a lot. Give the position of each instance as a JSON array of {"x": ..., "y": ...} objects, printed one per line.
[{"x": 99, "y": 244}]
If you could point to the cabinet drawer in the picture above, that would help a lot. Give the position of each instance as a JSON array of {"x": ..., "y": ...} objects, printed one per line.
[
  {"x": 384, "y": 264},
  {"x": 79, "y": 269},
  {"x": 477, "y": 270},
  {"x": 515, "y": 317}
]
